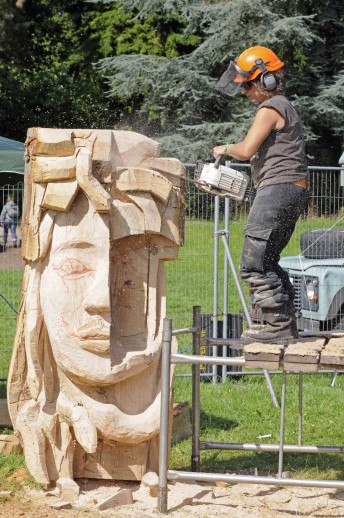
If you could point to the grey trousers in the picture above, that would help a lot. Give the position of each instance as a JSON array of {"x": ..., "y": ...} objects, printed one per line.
[{"x": 270, "y": 225}]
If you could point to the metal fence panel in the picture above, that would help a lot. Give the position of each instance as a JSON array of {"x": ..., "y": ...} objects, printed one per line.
[
  {"x": 11, "y": 269},
  {"x": 190, "y": 279}
]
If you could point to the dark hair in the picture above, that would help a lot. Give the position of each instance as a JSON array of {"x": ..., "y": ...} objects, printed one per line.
[{"x": 280, "y": 82}]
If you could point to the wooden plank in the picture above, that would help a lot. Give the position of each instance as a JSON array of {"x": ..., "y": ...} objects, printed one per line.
[
  {"x": 303, "y": 355},
  {"x": 269, "y": 366},
  {"x": 300, "y": 367},
  {"x": 5, "y": 419},
  {"x": 333, "y": 354},
  {"x": 263, "y": 352}
]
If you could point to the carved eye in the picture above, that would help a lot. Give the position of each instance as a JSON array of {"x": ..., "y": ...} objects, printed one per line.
[{"x": 72, "y": 269}]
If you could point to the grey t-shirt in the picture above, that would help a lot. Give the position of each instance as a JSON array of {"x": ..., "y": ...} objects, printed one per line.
[{"x": 281, "y": 158}]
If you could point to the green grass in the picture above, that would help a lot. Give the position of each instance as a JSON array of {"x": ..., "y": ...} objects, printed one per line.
[
  {"x": 240, "y": 411},
  {"x": 10, "y": 288},
  {"x": 236, "y": 411},
  {"x": 9, "y": 465}
]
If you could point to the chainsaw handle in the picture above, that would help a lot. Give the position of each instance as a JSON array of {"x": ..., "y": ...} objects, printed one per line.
[{"x": 217, "y": 161}]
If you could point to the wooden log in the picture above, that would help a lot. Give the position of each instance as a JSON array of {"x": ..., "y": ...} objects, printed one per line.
[
  {"x": 85, "y": 376},
  {"x": 262, "y": 364}
]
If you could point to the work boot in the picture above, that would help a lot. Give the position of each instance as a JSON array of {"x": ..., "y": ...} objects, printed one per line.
[
  {"x": 293, "y": 325},
  {"x": 277, "y": 328}
]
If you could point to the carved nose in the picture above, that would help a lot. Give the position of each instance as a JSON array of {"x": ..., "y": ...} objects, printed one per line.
[{"x": 98, "y": 295}]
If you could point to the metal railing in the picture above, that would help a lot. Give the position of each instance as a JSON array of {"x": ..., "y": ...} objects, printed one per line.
[
  {"x": 195, "y": 359},
  {"x": 192, "y": 275}
]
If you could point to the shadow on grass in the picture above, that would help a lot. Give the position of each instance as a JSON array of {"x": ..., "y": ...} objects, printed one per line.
[
  {"x": 312, "y": 466},
  {"x": 209, "y": 421},
  {"x": 3, "y": 385}
]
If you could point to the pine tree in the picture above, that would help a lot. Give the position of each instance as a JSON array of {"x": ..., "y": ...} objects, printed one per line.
[{"x": 175, "y": 99}]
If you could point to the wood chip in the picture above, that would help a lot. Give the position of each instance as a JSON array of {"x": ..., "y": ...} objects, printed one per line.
[{"x": 123, "y": 497}]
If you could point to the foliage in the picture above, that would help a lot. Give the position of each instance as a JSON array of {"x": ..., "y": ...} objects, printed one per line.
[
  {"x": 153, "y": 66},
  {"x": 46, "y": 73},
  {"x": 176, "y": 99}
]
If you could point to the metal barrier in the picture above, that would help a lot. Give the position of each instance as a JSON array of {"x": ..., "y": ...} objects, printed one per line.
[
  {"x": 165, "y": 474},
  {"x": 11, "y": 269},
  {"x": 189, "y": 277}
]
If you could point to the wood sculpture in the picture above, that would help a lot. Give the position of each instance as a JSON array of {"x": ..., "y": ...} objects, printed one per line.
[{"x": 102, "y": 212}]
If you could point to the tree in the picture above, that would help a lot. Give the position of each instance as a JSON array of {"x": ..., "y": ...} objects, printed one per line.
[
  {"x": 175, "y": 98},
  {"x": 46, "y": 72}
]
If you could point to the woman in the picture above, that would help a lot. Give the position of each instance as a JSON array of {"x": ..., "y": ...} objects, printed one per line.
[{"x": 275, "y": 146}]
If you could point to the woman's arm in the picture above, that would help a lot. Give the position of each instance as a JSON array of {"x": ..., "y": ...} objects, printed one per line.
[{"x": 266, "y": 120}]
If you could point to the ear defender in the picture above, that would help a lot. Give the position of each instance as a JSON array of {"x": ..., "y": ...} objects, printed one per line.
[{"x": 267, "y": 78}]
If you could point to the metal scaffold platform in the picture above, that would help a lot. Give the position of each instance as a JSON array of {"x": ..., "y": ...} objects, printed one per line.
[{"x": 308, "y": 354}]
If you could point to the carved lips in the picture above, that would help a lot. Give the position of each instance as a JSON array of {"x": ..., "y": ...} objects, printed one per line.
[{"x": 95, "y": 336}]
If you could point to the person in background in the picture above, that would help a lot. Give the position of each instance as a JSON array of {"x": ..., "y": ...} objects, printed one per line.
[
  {"x": 9, "y": 219},
  {"x": 275, "y": 147}
]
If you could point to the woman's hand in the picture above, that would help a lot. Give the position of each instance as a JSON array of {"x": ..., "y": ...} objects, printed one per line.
[{"x": 219, "y": 150}]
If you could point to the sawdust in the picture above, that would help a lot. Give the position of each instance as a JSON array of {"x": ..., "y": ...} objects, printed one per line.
[{"x": 185, "y": 500}]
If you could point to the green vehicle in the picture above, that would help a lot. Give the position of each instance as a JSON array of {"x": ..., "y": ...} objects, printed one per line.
[{"x": 318, "y": 279}]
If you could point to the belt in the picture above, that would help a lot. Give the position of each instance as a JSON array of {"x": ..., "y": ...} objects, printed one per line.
[{"x": 301, "y": 183}]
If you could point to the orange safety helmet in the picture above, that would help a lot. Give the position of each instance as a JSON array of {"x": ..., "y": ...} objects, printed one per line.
[
  {"x": 247, "y": 67},
  {"x": 247, "y": 62}
]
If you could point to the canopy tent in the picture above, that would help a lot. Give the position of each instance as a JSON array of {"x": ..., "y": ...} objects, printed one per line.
[{"x": 11, "y": 161}]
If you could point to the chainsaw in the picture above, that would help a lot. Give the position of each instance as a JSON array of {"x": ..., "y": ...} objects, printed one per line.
[{"x": 220, "y": 180}]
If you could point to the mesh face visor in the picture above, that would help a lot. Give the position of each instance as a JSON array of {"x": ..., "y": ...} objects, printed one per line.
[{"x": 232, "y": 80}]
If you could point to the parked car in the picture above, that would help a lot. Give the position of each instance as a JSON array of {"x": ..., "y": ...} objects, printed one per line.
[{"x": 318, "y": 278}]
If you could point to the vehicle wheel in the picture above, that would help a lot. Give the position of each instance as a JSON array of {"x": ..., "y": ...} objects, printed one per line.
[{"x": 323, "y": 243}]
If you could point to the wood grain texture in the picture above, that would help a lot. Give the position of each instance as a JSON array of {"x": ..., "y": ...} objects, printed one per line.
[{"x": 102, "y": 213}]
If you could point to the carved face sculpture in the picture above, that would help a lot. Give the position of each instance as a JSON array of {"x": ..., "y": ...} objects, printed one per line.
[
  {"x": 85, "y": 365},
  {"x": 75, "y": 293}
]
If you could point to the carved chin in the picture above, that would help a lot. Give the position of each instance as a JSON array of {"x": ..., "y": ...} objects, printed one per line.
[{"x": 93, "y": 368}]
